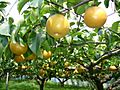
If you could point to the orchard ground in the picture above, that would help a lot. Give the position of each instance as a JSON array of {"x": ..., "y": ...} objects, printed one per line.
[
  {"x": 32, "y": 85},
  {"x": 53, "y": 84}
]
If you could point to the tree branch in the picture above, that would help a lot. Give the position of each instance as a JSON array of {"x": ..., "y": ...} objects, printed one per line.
[
  {"x": 107, "y": 55},
  {"x": 39, "y": 78},
  {"x": 68, "y": 9},
  {"x": 79, "y": 62},
  {"x": 81, "y": 3},
  {"x": 11, "y": 8},
  {"x": 115, "y": 85},
  {"x": 38, "y": 81},
  {"x": 89, "y": 42},
  {"x": 116, "y": 11},
  {"x": 81, "y": 44},
  {"x": 77, "y": 5},
  {"x": 106, "y": 79}
]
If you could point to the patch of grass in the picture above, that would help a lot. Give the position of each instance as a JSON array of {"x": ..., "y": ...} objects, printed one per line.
[
  {"x": 20, "y": 85},
  {"x": 56, "y": 86},
  {"x": 32, "y": 85},
  {"x": 23, "y": 86}
]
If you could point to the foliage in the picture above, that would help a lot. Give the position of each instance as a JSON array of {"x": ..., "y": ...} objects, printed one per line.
[{"x": 95, "y": 49}]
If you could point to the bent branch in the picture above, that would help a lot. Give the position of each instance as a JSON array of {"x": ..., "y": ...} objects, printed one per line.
[{"x": 107, "y": 56}]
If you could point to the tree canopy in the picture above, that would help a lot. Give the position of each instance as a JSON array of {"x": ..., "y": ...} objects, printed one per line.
[{"x": 83, "y": 52}]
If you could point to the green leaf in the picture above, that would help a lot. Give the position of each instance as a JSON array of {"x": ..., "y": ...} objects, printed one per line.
[
  {"x": 115, "y": 25},
  {"x": 97, "y": 2},
  {"x": 35, "y": 40},
  {"x": 1, "y": 49},
  {"x": 81, "y": 9},
  {"x": 46, "y": 45},
  {"x": 106, "y": 3},
  {"x": 3, "y": 4},
  {"x": 69, "y": 39},
  {"x": 76, "y": 34},
  {"x": 36, "y": 3},
  {"x": 74, "y": 1},
  {"x": 4, "y": 40},
  {"x": 45, "y": 9},
  {"x": 34, "y": 15},
  {"x": 21, "y": 4},
  {"x": 71, "y": 3},
  {"x": 50, "y": 40},
  {"x": 3, "y": 43},
  {"x": 32, "y": 18},
  {"x": 7, "y": 53},
  {"x": 11, "y": 20},
  {"x": 1, "y": 19}
]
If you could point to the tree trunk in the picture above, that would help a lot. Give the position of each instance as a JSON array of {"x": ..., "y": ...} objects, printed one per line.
[
  {"x": 42, "y": 84},
  {"x": 98, "y": 84},
  {"x": 62, "y": 81},
  {"x": 62, "y": 84}
]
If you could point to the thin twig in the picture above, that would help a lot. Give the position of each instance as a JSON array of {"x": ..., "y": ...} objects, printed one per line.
[
  {"x": 113, "y": 12},
  {"x": 11, "y": 8},
  {"x": 77, "y": 5},
  {"x": 81, "y": 44}
]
